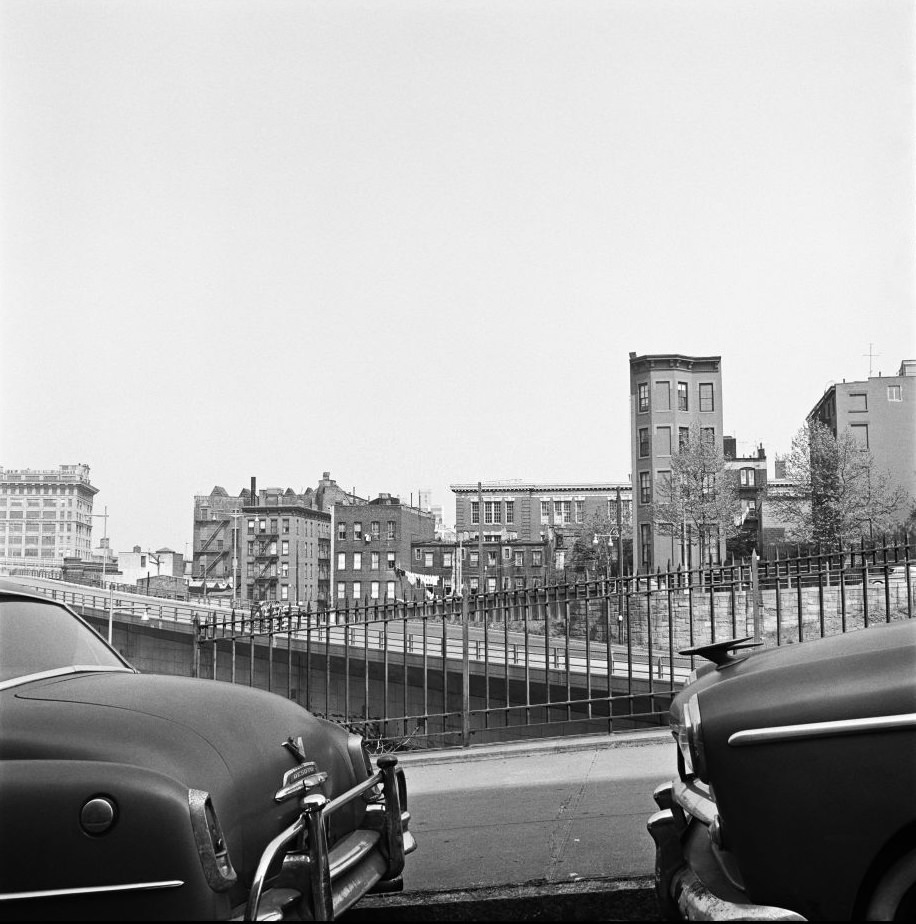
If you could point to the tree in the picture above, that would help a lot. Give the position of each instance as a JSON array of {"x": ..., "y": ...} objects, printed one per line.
[
  {"x": 594, "y": 545},
  {"x": 839, "y": 493},
  {"x": 697, "y": 501}
]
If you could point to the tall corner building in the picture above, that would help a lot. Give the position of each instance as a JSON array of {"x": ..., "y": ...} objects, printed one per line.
[
  {"x": 45, "y": 515},
  {"x": 669, "y": 393}
]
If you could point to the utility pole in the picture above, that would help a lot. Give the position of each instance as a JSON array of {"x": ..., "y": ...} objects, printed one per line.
[{"x": 235, "y": 557}]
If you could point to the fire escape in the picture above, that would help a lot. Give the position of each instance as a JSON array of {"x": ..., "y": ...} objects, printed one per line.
[
  {"x": 266, "y": 558},
  {"x": 206, "y": 564}
]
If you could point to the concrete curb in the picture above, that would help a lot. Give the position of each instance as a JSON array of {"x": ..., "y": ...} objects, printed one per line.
[
  {"x": 479, "y": 752},
  {"x": 585, "y": 900}
]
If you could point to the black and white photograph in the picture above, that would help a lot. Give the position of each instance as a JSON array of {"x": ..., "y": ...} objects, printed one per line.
[{"x": 457, "y": 460}]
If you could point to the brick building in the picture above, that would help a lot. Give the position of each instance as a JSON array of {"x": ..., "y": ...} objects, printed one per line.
[
  {"x": 669, "y": 394},
  {"x": 224, "y": 523},
  {"x": 372, "y": 543},
  {"x": 880, "y": 413}
]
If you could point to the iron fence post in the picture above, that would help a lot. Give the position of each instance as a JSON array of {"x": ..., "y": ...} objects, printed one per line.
[{"x": 465, "y": 676}]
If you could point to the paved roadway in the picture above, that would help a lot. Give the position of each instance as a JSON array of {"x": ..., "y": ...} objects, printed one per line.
[{"x": 553, "y": 821}]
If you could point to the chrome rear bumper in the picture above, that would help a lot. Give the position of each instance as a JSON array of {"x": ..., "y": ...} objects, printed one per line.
[
  {"x": 682, "y": 895},
  {"x": 310, "y": 880}
]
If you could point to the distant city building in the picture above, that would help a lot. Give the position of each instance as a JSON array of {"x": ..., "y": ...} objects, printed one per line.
[
  {"x": 252, "y": 525},
  {"x": 373, "y": 544},
  {"x": 669, "y": 394},
  {"x": 752, "y": 487},
  {"x": 880, "y": 413},
  {"x": 141, "y": 564},
  {"x": 45, "y": 515}
]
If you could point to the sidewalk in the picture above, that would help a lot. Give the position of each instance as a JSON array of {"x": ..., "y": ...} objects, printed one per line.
[{"x": 562, "y": 815}]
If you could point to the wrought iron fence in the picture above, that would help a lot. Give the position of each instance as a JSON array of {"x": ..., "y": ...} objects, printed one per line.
[{"x": 599, "y": 653}]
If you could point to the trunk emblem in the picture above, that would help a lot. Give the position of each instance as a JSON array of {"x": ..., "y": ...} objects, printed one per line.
[{"x": 300, "y": 780}]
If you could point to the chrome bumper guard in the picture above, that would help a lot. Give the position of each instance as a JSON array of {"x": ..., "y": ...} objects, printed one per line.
[
  {"x": 682, "y": 895},
  {"x": 311, "y": 880}
]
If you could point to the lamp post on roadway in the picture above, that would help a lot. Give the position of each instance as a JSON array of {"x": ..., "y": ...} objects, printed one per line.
[{"x": 103, "y": 516}]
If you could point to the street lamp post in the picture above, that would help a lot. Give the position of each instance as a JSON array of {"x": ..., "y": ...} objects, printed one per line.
[{"x": 103, "y": 516}]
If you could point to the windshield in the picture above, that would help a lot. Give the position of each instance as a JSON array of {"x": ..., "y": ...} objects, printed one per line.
[{"x": 36, "y": 637}]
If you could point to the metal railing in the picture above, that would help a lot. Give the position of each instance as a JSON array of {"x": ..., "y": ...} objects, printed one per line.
[{"x": 598, "y": 653}]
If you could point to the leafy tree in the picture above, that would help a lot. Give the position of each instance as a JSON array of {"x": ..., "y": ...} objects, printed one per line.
[
  {"x": 593, "y": 545},
  {"x": 840, "y": 494},
  {"x": 697, "y": 502}
]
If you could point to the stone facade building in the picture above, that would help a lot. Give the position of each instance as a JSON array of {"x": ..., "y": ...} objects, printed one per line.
[{"x": 45, "y": 516}]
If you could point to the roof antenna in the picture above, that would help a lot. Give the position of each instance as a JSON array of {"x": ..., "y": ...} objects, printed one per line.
[{"x": 871, "y": 355}]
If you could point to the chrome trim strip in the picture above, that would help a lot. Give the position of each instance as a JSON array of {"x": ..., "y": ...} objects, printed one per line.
[
  {"x": 822, "y": 729},
  {"x": 63, "y": 671},
  {"x": 93, "y": 890},
  {"x": 694, "y": 798}
]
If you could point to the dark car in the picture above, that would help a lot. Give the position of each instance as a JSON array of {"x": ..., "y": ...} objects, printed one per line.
[
  {"x": 795, "y": 796},
  {"x": 139, "y": 796}
]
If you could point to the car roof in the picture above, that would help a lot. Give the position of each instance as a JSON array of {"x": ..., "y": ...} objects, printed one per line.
[{"x": 15, "y": 589}]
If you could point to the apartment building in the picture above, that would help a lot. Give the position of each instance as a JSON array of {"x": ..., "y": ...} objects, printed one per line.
[
  {"x": 516, "y": 510},
  {"x": 507, "y": 564},
  {"x": 45, "y": 515},
  {"x": 285, "y": 549},
  {"x": 224, "y": 524},
  {"x": 372, "y": 544},
  {"x": 880, "y": 413},
  {"x": 669, "y": 394},
  {"x": 751, "y": 473}
]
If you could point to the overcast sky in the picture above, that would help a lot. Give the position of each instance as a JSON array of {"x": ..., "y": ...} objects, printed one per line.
[{"x": 413, "y": 243}]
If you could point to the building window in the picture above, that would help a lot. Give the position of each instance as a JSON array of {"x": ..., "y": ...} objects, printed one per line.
[
  {"x": 507, "y": 553},
  {"x": 492, "y": 511},
  {"x": 747, "y": 478},
  {"x": 645, "y": 545},
  {"x": 427, "y": 559},
  {"x": 417, "y": 555},
  {"x": 643, "y": 442},
  {"x": 341, "y": 561},
  {"x": 545, "y": 511},
  {"x": 858, "y": 402},
  {"x": 391, "y": 529},
  {"x": 708, "y": 436},
  {"x": 860, "y": 435},
  {"x": 475, "y": 511},
  {"x": 284, "y": 569},
  {"x": 251, "y": 546},
  {"x": 341, "y": 590},
  {"x": 642, "y": 392},
  {"x": 663, "y": 441},
  {"x": 373, "y": 590},
  {"x": 507, "y": 582},
  {"x": 357, "y": 561},
  {"x": 389, "y": 590},
  {"x": 662, "y": 396},
  {"x": 645, "y": 488},
  {"x": 474, "y": 559},
  {"x": 374, "y": 529},
  {"x": 357, "y": 531},
  {"x": 562, "y": 511},
  {"x": 447, "y": 559},
  {"x": 707, "y": 402},
  {"x": 342, "y": 532},
  {"x": 251, "y": 526},
  {"x": 357, "y": 590},
  {"x": 373, "y": 561},
  {"x": 491, "y": 559},
  {"x": 390, "y": 561},
  {"x": 285, "y": 525},
  {"x": 510, "y": 511},
  {"x": 751, "y": 507},
  {"x": 284, "y": 547},
  {"x": 683, "y": 438},
  {"x": 473, "y": 585},
  {"x": 537, "y": 557},
  {"x": 580, "y": 511},
  {"x": 894, "y": 393},
  {"x": 491, "y": 585},
  {"x": 519, "y": 559},
  {"x": 682, "y": 396}
]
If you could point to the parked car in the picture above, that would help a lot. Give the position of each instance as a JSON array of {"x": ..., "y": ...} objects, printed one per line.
[
  {"x": 795, "y": 795},
  {"x": 133, "y": 796}
]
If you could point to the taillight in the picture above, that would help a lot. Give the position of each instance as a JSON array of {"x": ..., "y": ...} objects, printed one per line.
[{"x": 211, "y": 845}]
